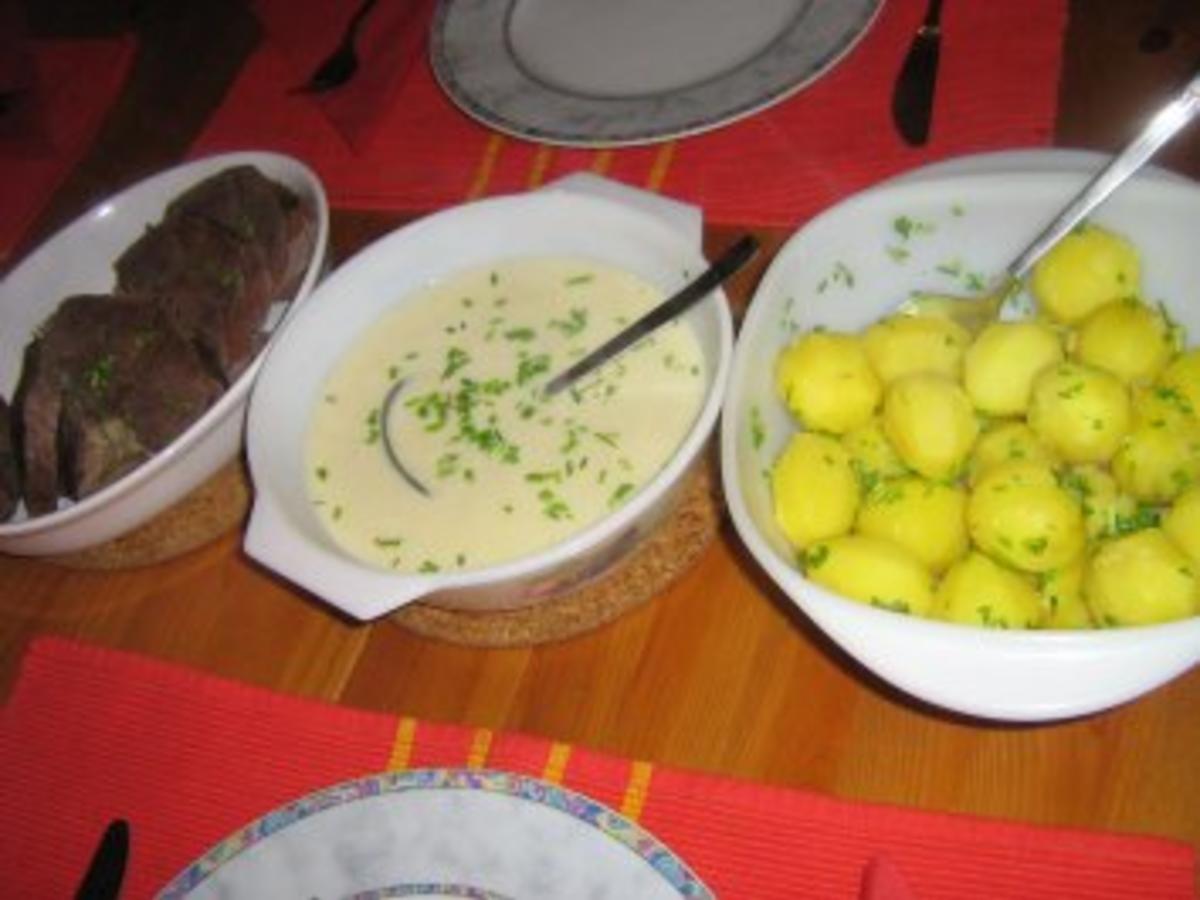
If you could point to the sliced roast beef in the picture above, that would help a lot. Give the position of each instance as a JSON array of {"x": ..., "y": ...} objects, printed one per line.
[
  {"x": 89, "y": 411},
  {"x": 10, "y": 482}
]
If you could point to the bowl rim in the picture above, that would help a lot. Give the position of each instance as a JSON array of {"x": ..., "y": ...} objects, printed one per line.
[
  {"x": 235, "y": 395},
  {"x": 330, "y": 563}
]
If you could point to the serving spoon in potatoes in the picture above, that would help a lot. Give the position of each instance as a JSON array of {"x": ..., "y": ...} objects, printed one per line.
[{"x": 974, "y": 313}]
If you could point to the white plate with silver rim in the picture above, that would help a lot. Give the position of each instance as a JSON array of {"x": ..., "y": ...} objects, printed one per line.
[
  {"x": 440, "y": 833},
  {"x": 581, "y": 73}
]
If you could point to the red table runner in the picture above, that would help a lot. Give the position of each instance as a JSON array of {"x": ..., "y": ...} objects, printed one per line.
[
  {"x": 72, "y": 86},
  {"x": 997, "y": 89},
  {"x": 90, "y": 734}
]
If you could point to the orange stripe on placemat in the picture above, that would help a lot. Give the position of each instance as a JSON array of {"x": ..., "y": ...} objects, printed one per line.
[
  {"x": 636, "y": 789},
  {"x": 556, "y": 762},
  {"x": 540, "y": 166},
  {"x": 662, "y": 162},
  {"x": 487, "y": 165},
  {"x": 402, "y": 744},
  {"x": 602, "y": 162},
  {"x": 481, "y": 745}
]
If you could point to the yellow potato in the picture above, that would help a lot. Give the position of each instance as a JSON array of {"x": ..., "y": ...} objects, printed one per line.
[
  {"x": 1086, "y": 269},
  {"x": 1140, "y": 579},
  {"x": 1010, "y": 441},
  {"x": 979, "y": 591},
  {"x": 1155, "y": 465},
  {"x": 873, "y": 571},
  {"x": 1107, "y": 511},
  {"x": 1017, "y": 513},
  {"x": 930, "y": 422},
  {"x": 1002, "y": 362},
  {"x": 1081, "y": 412},
  {"x": 1159, "y": 406},
  {"x": 1182, "y": 524},
  {"x": 813, "y": 488},
  {"x": 925, "y": 517},
  {"x": 1182, "y": 375},
  {"x": 872, "y": 455},
  {"x": 1127, "y": 338},
  {"x": 827, "y": 382},
  {"x": 901, "y": 345},
  {"x": 1062, "y": 598}
]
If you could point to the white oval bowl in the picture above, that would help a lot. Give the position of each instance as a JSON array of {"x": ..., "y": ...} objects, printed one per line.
[
  {"x": 79, "y": 259},
  {"x": 983, "y": 218},
  {"x": 285, "y": 534}
]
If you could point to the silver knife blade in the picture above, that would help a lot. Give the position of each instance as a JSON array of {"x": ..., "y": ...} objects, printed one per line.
[
  {"x": 726, "y": 265},
  {"x": 912, "y": 98},
  {"x": 106, "y": 871}
]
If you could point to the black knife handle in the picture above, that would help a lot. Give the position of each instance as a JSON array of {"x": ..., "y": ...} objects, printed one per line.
[{"x": 106, "y": 871}]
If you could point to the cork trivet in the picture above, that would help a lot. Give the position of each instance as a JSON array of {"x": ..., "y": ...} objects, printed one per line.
[
  {"x": 662, "y": 557},
  {"x": 214, "y": 508}
]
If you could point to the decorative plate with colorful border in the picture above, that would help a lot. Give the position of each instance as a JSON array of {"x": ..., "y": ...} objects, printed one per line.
[
  {"x": 598, "y": 74},
  {"x": 432, "y": 833}
]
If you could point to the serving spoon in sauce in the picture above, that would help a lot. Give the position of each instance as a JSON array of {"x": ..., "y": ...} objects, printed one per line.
[{"x": 974, "y": 313}]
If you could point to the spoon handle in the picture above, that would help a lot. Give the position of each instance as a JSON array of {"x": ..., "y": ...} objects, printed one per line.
[{"x": 1160, "y": 129}]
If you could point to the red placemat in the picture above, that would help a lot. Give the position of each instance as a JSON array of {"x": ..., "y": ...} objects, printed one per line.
[
  {"x": 997, "y": 89},
  {"x": 90, "y": 734},
  {"x": 70, "y": 89}
]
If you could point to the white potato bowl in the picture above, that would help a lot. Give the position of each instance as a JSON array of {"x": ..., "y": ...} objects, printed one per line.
[
  {"x": 847, "y": 268},
  {"x": 655, "y": 239},
  {"x": 79, "y": 259}
]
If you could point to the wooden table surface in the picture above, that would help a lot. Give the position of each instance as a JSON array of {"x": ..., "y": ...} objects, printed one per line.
[{"x": 719, "y": 673}]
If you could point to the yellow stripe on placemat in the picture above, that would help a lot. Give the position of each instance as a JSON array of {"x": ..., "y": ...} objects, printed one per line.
[
  {"x": 402, "y": 744},
  {"x": 487, "y": 165},
  {"x": 602, "y": 162},
  {"x": 662, "y": 163},
  {"x": 556, "y": 762},
  {"x": 636, "y": 790},
  {"x": 481, "y": 745},
  {"x": 540, "y": 165}
]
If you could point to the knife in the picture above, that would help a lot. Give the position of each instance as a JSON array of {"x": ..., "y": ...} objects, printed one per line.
[
  {"x": 106, "y": 871},
  {"x": 728, "y": 263},
  {"x": 912, "y": 99}
]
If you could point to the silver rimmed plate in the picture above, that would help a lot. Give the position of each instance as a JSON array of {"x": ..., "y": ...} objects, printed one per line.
[
  {"x": 439, "y": 833},
  {"x": 583, "y": 73}
]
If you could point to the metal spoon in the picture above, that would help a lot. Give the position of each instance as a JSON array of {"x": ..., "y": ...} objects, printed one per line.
[
  {"x": 340, "y": 65},
  {"x": 389, "y": 400},
  {"x": 973, "y": 313}
]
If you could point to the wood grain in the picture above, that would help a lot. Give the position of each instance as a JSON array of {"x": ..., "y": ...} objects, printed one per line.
[{"x": 719, "y": 673}]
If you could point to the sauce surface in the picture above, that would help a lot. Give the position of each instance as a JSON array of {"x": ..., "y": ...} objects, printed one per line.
[{"x": 509, "y": 472}]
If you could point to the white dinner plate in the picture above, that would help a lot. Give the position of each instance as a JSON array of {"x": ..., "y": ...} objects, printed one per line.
[
  {"x": 440, "y": 833},
  {"x": 586, "y": 73}
]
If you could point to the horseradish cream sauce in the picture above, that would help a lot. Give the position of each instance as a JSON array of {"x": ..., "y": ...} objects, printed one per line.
[{"x": 509, "y": 471}]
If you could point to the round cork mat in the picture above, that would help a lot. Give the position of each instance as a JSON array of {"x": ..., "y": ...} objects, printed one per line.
[
  {"x": 216, "y": 507},
  {"x": 652, "y": 566}
]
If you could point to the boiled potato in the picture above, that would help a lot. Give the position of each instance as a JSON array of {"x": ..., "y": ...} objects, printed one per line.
[
  {"x": 1062, "y": 598},
  {"x": 1081, "y": 412},
  {"x": 1182, "y": 524},
  {"x": 827, "y": 382},
  {"x": 1140, "y": 579},
  {"x": 873, "y": 571},
  {"x": 1182, "y": 375},
  {"x": 872, "y": 455},
  {"x": 979, "y": 591},
  {"x": 1158, "y": 406},
  {"x": 1085, "y": 270},
  {"x": 1002, "y": 362},
  {"x": 1127, "y": 338},
  {"x": 930, "y": 422},
  {"x": 901, "y": 345},
  {"x": 1007, "y": 441},
  {"x": 1155, "y": 465},
  {"x": 1107, "y": 511},
  {"x": 813, "y": 488},
  {"x": 927, "y": 518},
  {"x": 1017, "y": 513}
]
